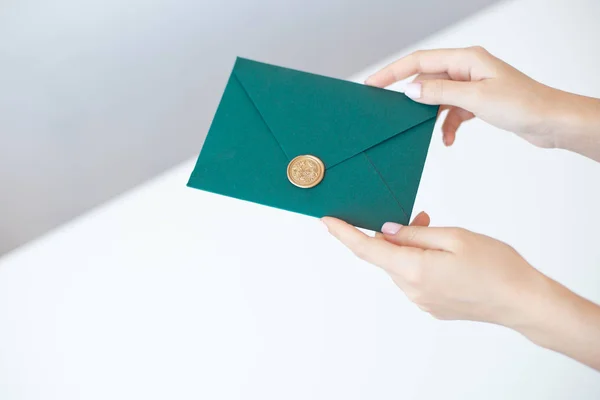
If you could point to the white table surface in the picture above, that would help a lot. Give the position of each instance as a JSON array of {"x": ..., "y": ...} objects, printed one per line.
[{"x": 170, "y": 292}]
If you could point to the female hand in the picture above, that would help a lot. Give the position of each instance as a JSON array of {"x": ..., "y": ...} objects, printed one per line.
[
  {"x": 471, "y": 82},
  {"x": 455, "y": 274},
  {"x": 450, "y": 273}
]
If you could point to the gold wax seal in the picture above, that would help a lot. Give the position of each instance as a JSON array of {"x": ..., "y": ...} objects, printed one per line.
[{"x": 306, "y": 171}]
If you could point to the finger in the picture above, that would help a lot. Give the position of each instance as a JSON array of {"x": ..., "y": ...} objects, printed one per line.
[
  {"x": 442, "y": 108},
  {"x": 379, "y": 252},
  {"x": 421, "y": 237},
  {"x": 422, "y": 219},
  {"x": 457, "y": 63},
  {"x": 455, "y": 117},
  {"x": 428, "y": 77},
  {"x": 442, "y": 91},
  {"x": 441, "y": 75}
]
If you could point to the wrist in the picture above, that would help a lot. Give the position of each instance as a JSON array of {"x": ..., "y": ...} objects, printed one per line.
[
  {"x": 554, "y": 315},
  {"x": 527, "y": 303},
  {"x": 541, "y": 312},
  {"x": 565, "y": 322},
  {"x": 572, "y": 122}
]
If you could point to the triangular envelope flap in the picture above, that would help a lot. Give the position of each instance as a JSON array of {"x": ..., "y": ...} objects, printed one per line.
[{"x": 326, "y": 117}]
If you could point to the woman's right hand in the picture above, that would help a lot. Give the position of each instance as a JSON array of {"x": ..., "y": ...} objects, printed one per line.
[{"x": 471, "y": 82}]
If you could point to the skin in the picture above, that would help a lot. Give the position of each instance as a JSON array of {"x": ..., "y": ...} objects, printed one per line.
[{"x": 455, "y": 274}]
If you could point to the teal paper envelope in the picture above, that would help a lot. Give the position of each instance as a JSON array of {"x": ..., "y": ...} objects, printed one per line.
[{"x": 373, "y": 144}]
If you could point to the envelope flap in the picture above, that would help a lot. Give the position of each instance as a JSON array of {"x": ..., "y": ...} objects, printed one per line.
[{"x": 326, "y": 117}]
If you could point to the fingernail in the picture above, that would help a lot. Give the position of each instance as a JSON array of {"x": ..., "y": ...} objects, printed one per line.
[
  {"x": 368, "y": 80},
  {"x": 413, "y": 90},
  {"x": 325, "y": 224},
  {"x": 390, "y": 228}
]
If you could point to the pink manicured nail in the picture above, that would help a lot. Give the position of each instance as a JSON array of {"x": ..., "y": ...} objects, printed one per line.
[
  {"x": 390, "y": 228},
  {"x": 413, "y": 90}
]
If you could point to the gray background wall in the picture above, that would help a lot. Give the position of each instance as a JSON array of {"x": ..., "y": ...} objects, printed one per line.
[{"x": 97, "y": 96}]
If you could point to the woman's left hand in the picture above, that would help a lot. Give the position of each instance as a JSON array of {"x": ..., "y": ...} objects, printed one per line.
[
  {"x": 450, "y": 273},
  {"x": 455, "y": 274}
]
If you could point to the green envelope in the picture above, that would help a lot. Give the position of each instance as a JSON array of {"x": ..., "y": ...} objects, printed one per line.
[{"x": 373, "y": 143}]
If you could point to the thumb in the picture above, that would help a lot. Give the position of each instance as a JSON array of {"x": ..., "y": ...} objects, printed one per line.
[
  {"x": 445, "y": 239},
  {"x": 444, "y": 91}
]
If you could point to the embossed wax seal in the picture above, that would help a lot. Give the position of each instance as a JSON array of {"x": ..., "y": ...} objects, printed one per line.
[{"x": 306, "y": 171}]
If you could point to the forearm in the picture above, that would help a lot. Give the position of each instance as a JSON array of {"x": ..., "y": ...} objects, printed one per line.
[
  {"x": 575, "y": 123},
  {"x": 560, "y": 320}
]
